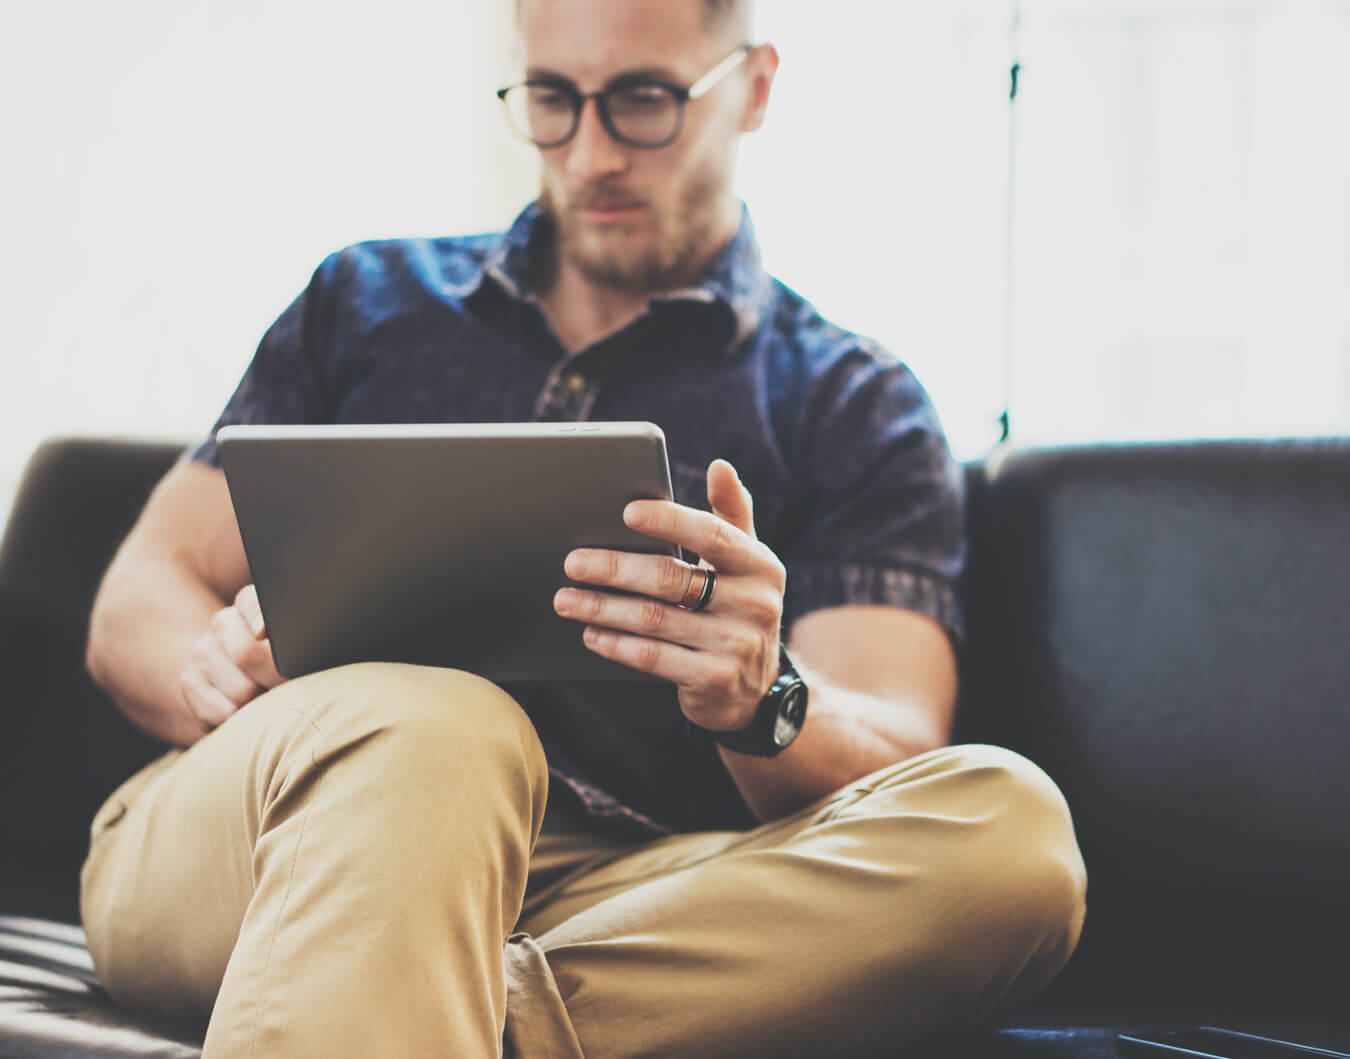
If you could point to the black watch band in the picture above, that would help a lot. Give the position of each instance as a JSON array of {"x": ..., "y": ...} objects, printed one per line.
[{"x": 778, "y": 718}]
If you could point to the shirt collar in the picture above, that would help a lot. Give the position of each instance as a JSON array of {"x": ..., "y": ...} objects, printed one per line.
[{"x": 736, "y": 284}]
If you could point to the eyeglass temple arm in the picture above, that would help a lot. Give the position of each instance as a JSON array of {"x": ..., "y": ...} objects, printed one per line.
[{"x": 708, "y": 80}]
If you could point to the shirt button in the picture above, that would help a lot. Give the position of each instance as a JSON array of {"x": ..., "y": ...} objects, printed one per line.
[{"x": 575, "y": 383}]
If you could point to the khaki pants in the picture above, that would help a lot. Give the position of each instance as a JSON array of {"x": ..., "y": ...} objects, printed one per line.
[{"x": 353, "y": 865}]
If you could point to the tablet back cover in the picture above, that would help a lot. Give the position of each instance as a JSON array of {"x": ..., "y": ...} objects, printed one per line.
[{"x": 436, "y": 544}]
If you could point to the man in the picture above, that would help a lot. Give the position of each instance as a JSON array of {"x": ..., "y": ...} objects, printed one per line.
[{"x": 396, "y": 860}]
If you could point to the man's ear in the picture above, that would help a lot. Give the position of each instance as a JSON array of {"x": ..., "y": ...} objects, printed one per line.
[{"x": 763, "y": 63}]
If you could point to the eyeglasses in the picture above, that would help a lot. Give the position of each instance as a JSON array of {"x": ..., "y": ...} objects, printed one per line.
[{"x": 636, "y": 110}]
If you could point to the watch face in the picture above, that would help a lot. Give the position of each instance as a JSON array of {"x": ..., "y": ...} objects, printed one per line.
[{"x": 790, "y": 714}]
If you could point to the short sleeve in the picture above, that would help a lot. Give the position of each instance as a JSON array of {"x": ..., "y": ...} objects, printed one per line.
[
  {"x": 283, "y": 382},
  {"x": 881, "y": 518}
]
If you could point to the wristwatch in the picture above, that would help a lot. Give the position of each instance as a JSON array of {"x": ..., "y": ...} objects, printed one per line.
[{"x": 778, "y": 718}]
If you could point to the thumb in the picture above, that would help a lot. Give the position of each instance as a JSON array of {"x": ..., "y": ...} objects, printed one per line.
[{"x": 729, "y": 498}]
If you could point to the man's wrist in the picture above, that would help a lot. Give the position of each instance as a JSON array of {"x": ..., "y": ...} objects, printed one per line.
[{"x": 778, "y": 718}]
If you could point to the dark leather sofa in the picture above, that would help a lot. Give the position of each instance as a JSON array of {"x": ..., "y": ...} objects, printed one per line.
[{"x": 1164, "y": 628}]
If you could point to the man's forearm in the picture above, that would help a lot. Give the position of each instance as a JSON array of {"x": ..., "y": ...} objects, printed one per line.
[
  {"x": 147, "y": 617},
  {"x": 848, "y": 734}
]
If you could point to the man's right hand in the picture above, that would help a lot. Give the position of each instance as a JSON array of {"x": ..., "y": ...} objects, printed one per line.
[{"x": 231, "y": 663}]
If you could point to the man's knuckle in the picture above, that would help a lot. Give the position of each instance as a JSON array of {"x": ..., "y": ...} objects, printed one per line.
[
  {"x": 763, "y": 609},
  {"x": 652, "y": 617},
  {"x": 672, "y": 577},
  {"x": 750, "y": 648},
  {"x": 594, "y": 604},
  {"x": 648, "y": 654},
  {"x": 238, "y": 652}
]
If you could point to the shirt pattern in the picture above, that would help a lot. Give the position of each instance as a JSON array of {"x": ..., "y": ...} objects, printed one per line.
[{"x": 853, "y": 484}]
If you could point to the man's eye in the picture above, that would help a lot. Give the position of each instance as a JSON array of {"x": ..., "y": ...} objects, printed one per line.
[
  {"x": 549, "y": 98},
  {"x": 635, "y": 97}
]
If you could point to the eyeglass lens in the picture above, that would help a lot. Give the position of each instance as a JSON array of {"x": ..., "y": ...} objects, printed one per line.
[{"x": 643, "y": 114}]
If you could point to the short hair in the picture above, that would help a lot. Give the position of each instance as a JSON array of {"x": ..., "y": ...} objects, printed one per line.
[
  {"x": 717, "y": 14},
  {"x": 720, "y": 13}
]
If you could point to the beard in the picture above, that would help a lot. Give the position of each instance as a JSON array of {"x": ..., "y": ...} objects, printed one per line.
[{"x": 665, "y": 259}]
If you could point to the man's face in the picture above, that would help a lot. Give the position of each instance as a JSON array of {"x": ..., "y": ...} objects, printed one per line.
[{"x": 628, "y": 218}]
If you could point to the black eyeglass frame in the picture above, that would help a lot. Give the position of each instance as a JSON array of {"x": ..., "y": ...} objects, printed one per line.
[{"x": 681, "y": 94}]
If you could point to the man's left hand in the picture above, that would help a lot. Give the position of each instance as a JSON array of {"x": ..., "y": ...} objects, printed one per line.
[{"x": 722, "y": 658}]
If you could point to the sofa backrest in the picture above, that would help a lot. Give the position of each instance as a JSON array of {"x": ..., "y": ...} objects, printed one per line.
[{"x": 1166, "y": 630}]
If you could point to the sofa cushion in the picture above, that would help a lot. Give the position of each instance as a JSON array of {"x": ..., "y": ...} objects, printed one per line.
[
  {"x": 1166, "y": 630},
  {"x": 51, "y": 1004}
]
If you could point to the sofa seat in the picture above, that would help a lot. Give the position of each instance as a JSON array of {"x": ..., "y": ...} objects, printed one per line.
[
  {"x": 51, "y": 1004},
  {"x": 1165, "y": 629},
  {"x": 52, "y": 1007}
]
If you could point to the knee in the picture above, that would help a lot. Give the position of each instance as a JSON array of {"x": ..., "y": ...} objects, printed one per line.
[
  {"x": 1020, "y": 875},
  {"x": 425, "y": 724}
]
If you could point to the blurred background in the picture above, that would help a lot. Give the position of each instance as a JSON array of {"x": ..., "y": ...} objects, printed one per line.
[{"x": 1153, "y": 241}]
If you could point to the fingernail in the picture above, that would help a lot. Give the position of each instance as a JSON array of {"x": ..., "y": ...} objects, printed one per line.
[{"x": 635, "y": 514}]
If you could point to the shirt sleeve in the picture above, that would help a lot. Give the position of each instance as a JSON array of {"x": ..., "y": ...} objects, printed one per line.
[
  {"x": 882, "y": 516},
  {"x": 283, "y": 383}
]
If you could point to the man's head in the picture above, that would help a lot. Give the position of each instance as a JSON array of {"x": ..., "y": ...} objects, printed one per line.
[{"x": 634, "y": 218}]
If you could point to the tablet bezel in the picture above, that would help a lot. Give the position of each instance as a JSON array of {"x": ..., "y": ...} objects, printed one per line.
[{"x": 432, "y": 541}]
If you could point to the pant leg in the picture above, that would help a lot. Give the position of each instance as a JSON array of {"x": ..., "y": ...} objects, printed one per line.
[
  {"x": 926, "y": 894},
  {"x": 332, "y": 872}
]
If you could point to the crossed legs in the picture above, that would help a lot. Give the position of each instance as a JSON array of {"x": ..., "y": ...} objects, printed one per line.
[{"x": 340, "y": 869}]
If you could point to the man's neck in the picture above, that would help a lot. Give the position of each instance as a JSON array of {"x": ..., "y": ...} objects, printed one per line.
[{"x": 582, "y": 313}]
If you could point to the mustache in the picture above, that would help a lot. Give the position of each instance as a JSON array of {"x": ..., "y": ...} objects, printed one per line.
[{"x": 604, "y": 199}]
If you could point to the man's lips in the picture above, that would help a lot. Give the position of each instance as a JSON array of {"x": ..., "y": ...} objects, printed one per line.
[{"x": 609, "y": 210}]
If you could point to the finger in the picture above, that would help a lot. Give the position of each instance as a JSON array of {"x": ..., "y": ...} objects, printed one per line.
[
  {"x": 729, "y": 498},
  {"x": 206, "y": 703},
  {"x": 727, "y": 547},
  {"x": 263, "y": 667},
  {"x": 224, "y": 674},
  {"x": 657, "y": 576},
  {"x": 246, "y": 603},
  {"x": 651, "y": 618},
  {"x": 235, "y": 640},
  {"x": 675, "y": 663},
  {"x": 253, "y": 657}
]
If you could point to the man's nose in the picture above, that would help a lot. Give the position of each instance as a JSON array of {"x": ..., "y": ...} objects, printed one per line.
[{"x": 592, "y": 151}]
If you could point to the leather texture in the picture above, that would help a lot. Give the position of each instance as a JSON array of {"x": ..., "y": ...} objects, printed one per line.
[
  {"x": 1164, "y": 628},
  {"x": 64, "y": 746}
]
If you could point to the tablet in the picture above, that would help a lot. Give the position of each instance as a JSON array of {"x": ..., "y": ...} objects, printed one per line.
[{"x": 436, "y": 544}]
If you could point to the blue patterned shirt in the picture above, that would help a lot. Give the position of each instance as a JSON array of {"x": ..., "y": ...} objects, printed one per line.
[{"x": 853, "y": 484}]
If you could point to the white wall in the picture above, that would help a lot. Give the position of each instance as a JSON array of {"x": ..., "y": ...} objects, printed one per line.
[
  {"x": 173, "y": 172},
  {"x": 174, "y": 169}
]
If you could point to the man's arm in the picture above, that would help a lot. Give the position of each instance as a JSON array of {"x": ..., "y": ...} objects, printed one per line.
[
  {"x": 882, "y": 689},
  {"x": 882, "y": 679},
  {"x": 175, "y": 656}
]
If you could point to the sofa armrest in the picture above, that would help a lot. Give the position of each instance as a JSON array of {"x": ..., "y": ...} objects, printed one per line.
[
  {"x": 63, "y": 745},
  {"x": 75, "y": 503}
]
